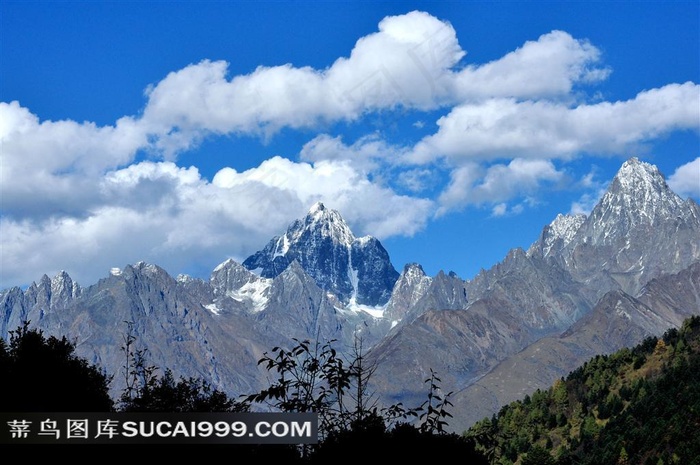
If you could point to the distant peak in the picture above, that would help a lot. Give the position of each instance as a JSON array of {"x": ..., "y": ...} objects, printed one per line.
[
  {"x": 566, "y": 225},
  {"x": 638, "y": 194},
  {"x": 326, "y": 220},
  {"x": 635, "y": 163},
  {"x": 294, "y": 269},
  {"x": 412, "y": 266},
  {"x": 639, "y": 170},
  {"x": 61, "y": 278},
  {"x": 147, "y": 267},
  {"x": 557, "y": 234},
  {"x": 318, "y": 211},
  {"x": 317, "y": 207},
  {"x": 228, "y": 263},
  {"x": 641, "y": 183}
]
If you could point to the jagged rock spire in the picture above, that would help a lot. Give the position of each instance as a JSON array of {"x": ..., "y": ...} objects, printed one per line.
[{"x": 356, "y": 270}]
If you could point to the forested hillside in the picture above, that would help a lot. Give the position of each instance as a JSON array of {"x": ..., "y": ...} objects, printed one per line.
[{"x": 636, "y": 406}]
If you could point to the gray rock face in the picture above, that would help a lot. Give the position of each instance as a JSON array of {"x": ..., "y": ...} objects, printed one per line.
[
  {"x": 444, "y": 292},
  {"x": 557, "y": 235},
  {"x": 640, "y": 230},
  {"x": 297, "y": 302},
  {"x": 356, "y": 270},
  {"x": 618, "y": 320},
  {"x": 39, "y": 300},
  {"x": 411, "y": 286},
  {"x": 215, "y": 330},
  {"x": 167, "y": 320},
  {"x": 520, "y": 300}
]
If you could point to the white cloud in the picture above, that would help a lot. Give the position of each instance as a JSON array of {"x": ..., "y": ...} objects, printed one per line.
[
  {"x": 171, "y": 216},
  {"x": 507, "y": 128},
  {"x": 410, "y": 62},
  {"x": 365, "y": 154},
  {"x": 367, "y": 206},
  {"x": 74, "y": 198},
  {"x": 199, "y": 100},
  {"x": 53, "y": 167},
  {"x": 499, "y": 210},
  {"x": 685, "y": 180},
  {"x": 29, "y": 145},
  {"x": 472, "y": 185},
  {"x": 547, "y": 67},
  {"x": 417, "y": 180},
  {"x": 405, "y": 63}
]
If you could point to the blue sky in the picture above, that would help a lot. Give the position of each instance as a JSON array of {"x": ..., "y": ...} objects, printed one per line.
[{"x": 186, "y": 133}]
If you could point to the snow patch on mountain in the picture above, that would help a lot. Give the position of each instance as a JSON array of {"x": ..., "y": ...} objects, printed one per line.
[
  {"x": 376, "y": 311},
  {"x": 213, "y": 308},
  {"x": 327, "y": 221},
  {"x": 281, "y": 250},
  {"x": 255, "y": 293},
  {"x": 638, "y": 195}
]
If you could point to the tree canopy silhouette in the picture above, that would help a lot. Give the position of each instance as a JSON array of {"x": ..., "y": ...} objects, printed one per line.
[
  {"x": 316, "y": 378},
  {"x": 40, "y": 374}
]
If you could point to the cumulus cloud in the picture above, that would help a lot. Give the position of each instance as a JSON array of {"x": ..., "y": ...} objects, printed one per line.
[
  {"x": 509, "y": 128},
  {"x": 473, "y": 185},
  {"x": 367, "y": 153},
  {"x": 547, "y": 67},
  {"x": 400, "y": 65},
  {"x": 53, "y": 167},
  {"x": 171, "y": 216},
  {"x": 406, "y": 63},
  {"x": 30, "y": 145},
  {"x": 368, "y": 207},
  {"x": 685, "y": 180},
  {"x": 80, "y": 197},
  {"x": 411, "y": 62}
]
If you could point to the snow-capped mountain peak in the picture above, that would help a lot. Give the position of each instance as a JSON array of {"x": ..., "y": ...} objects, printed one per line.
[
  {"x": 638, "y": 192},
  {"x": 328, "y": 222},
  {"x": 557, "y": 234},
  {"x": 325, "y": 247},
  {"x": 565, "y": 226},
  {"x": 638, "y": 212}
]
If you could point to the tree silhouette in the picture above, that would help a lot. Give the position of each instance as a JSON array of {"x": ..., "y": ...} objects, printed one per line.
[
  {"x": 436, "y": 407},
  {"x": 315, "y": 378},
  {"x": 488, "y": 438},
  {"x": 146, "y": 391},
  {"x": 164, "y": 394},
  {"x": 40, "y": 374}
]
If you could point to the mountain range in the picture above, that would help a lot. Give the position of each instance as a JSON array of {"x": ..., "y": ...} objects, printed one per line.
[{"x": 589, "y": 285}]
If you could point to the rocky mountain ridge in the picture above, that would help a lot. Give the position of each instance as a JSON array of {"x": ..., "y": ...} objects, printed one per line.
[
  {"x": 639, "y": 231},
  {"x": 356, "y": 270},
  {"x": 319, "y": 282}
]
